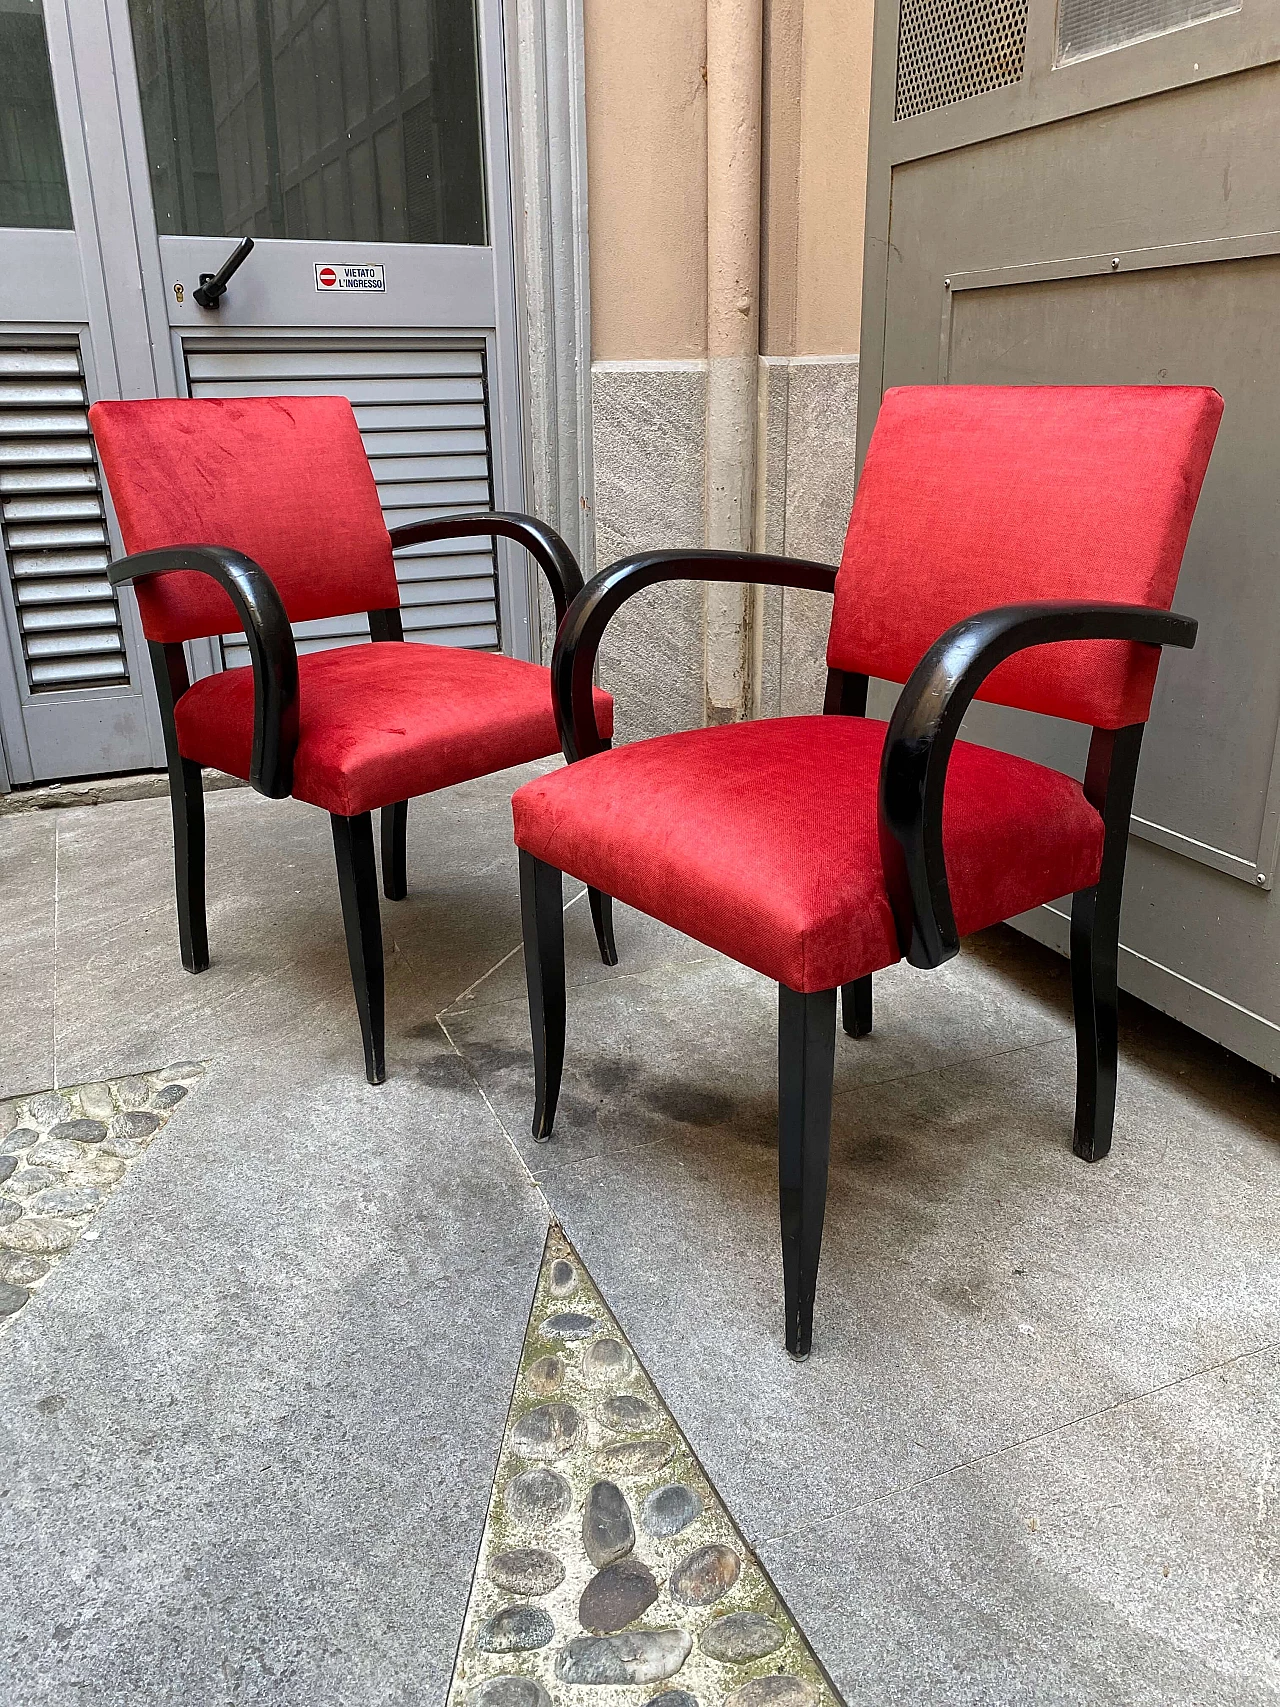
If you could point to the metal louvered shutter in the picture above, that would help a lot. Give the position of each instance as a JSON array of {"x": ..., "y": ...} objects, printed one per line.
[
  {"x": 54, "y": 524},
  {"x": 422, "y": 411}
]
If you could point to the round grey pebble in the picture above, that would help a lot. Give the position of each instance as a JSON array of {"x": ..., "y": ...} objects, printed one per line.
[
  {"x": 7, "y": 1165},
  {"x": 515, "y": 1630},
  {"x": 536, "y": 1498},
  {"x": 18, "y": 1269},
  {"x": 634, "y": 1656},
  {"x": 780, "y": 1691},
  {"x": 20, "y": 1139},
  {"x": 79, "y": 1131},
  {"x": 12, "y": 1298},
  {"x": 168, "y": 1096},
  {"x": 525, "y": 1570},
  {"x": 68, "y": 1200},
  {"x": 607, "y": 1360},
  {"x": 545, "y": 1376},
  {"x": 673, "y": 1698},
  {"x": 706, "y": 1575},
  {"x": 28, "y": 1181},
  {"x": 607, "y": 1530},
  {"x": 48, "y": 1108},
  {"x": 96, "y": 1101},
  {"x": 9, "y": 1211},
  {"x": 741, "y": 1636},
  {"x": 666, "y": 1511},
  {"x": 628, "y": 1414},
  {"x": 94, "y": 1168},
  {"x": 569, "y": 1325},
  {"x": 564, "y": 1278},
  {"x": 132, "y": 1091},
  {"x": 508, "y": 1692},
  {"x": 37, "y": 1238},
  {"x": 134, "y": 1124},
  {"x": 616, "y": 1597},
  {"x": 54, "y": 1152},
  {"x": 123, "y": 1149},
  {"x": 637, "y": 1457},
  {"x": 547, "y": 1431},
  {"x": 182, "y": 1070}
]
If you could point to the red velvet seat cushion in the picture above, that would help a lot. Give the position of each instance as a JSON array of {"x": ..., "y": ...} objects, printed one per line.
[
  {"x": 386, "y": 722},
  {"x": 759, "y": 839}
]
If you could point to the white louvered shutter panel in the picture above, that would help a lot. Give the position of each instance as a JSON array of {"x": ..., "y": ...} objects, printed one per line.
[
  {"x": 423, "y": 416},
  {"x": 54, "y": 523}
]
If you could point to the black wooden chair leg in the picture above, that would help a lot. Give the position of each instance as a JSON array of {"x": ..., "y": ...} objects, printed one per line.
[
  {"x": 395, "y": 827},
  {"x": 602, "y": 919},
  {"x": 542, "y": 916},
  {"x": 806, "y": 1066},
  {"x": 855, "y": 1007},
  {"x": 186, "y": 798},
  {"x": 1095, "y": 940},
  {"x": 1095, "y": 932},
  {"x": 358, "y": 886}
]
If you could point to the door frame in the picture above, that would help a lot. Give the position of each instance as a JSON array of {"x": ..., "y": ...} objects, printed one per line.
[
  {"x": 535, "y": 157},
  {"x": 533, "y": 123}
]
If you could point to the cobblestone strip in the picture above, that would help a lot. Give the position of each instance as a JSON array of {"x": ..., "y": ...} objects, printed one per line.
[
  {"x": 62, "y": 1154},
  {"x": 610, "y": 1574}
]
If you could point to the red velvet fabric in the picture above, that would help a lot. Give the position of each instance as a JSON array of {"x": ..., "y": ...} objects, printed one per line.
[
  {"x": 386, "y": 722},
  {"x": 759, "y": 839},
  {"x": 974, "y": 496},
  {"x": 283, "y": 479}
]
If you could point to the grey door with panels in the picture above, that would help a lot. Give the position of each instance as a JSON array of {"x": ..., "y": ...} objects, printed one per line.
[
  {"x": 362, "y": 145},
  {"x": 1088, "y": 194},
  {"x": 72, "y": 663}
]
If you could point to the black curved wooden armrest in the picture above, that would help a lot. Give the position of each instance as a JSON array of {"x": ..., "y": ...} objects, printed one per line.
[
  {"x": 543, "y": 544},
  {"x": 922, "y": 732},
  {"x": 271, "y": 648},
  {"x": 574, "y": 660}
]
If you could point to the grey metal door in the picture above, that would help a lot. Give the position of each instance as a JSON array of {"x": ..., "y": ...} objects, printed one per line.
[
  {"x": 1088, "y": 194},
  {"x": 72, "y": 666},
  {"x": 358, "y": 143},
  {"x": 362, "y": 143}
]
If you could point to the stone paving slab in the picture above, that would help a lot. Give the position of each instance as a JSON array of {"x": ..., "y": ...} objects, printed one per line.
[
  {"x": 1132, "y": 1557},
  {"x": 610, "y": 1572},
  {"x": 28, "y": 984},
  {"x": 250, "y": 1431},
  {"x": 62, "y": 1154}
]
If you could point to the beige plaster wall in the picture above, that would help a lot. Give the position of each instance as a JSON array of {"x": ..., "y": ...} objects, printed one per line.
[
  {"x": 835, "y": 98},
  {"x": 647, "y": 176}
]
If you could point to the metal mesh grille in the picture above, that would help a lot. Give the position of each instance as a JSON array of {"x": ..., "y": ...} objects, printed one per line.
[
  {"x": 53, "y": 524},
  {"x": 951, "y": 50},
  {"x": 1086, "y": 27}
]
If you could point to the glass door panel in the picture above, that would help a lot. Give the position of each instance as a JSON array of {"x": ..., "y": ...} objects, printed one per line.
[
  {"x": 348, "y": 120},
  {"x": 33, "y": 177}
]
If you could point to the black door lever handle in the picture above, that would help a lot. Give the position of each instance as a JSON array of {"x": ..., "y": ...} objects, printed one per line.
[{"x": 214, "y": 285}]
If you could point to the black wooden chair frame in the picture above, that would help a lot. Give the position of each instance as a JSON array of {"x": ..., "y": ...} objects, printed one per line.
[
  {"x": 274, "y": 658},
  {"x": 913, "y": 774}
]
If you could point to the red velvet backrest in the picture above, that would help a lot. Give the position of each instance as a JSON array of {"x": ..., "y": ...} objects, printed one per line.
[
  {"x": 975, "y": 496},
  {"x": 283, "y": 479}
]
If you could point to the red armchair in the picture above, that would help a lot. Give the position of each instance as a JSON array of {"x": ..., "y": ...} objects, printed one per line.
[
  {"x": 262, "y": 512},
  {"x": 1020, "y": 545}
]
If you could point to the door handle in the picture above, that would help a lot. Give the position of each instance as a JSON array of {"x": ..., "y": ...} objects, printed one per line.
[{"x": 214, "y": 285}]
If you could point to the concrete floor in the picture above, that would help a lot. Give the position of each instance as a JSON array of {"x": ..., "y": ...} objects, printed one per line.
[{"x": 248, "y": 1433}]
